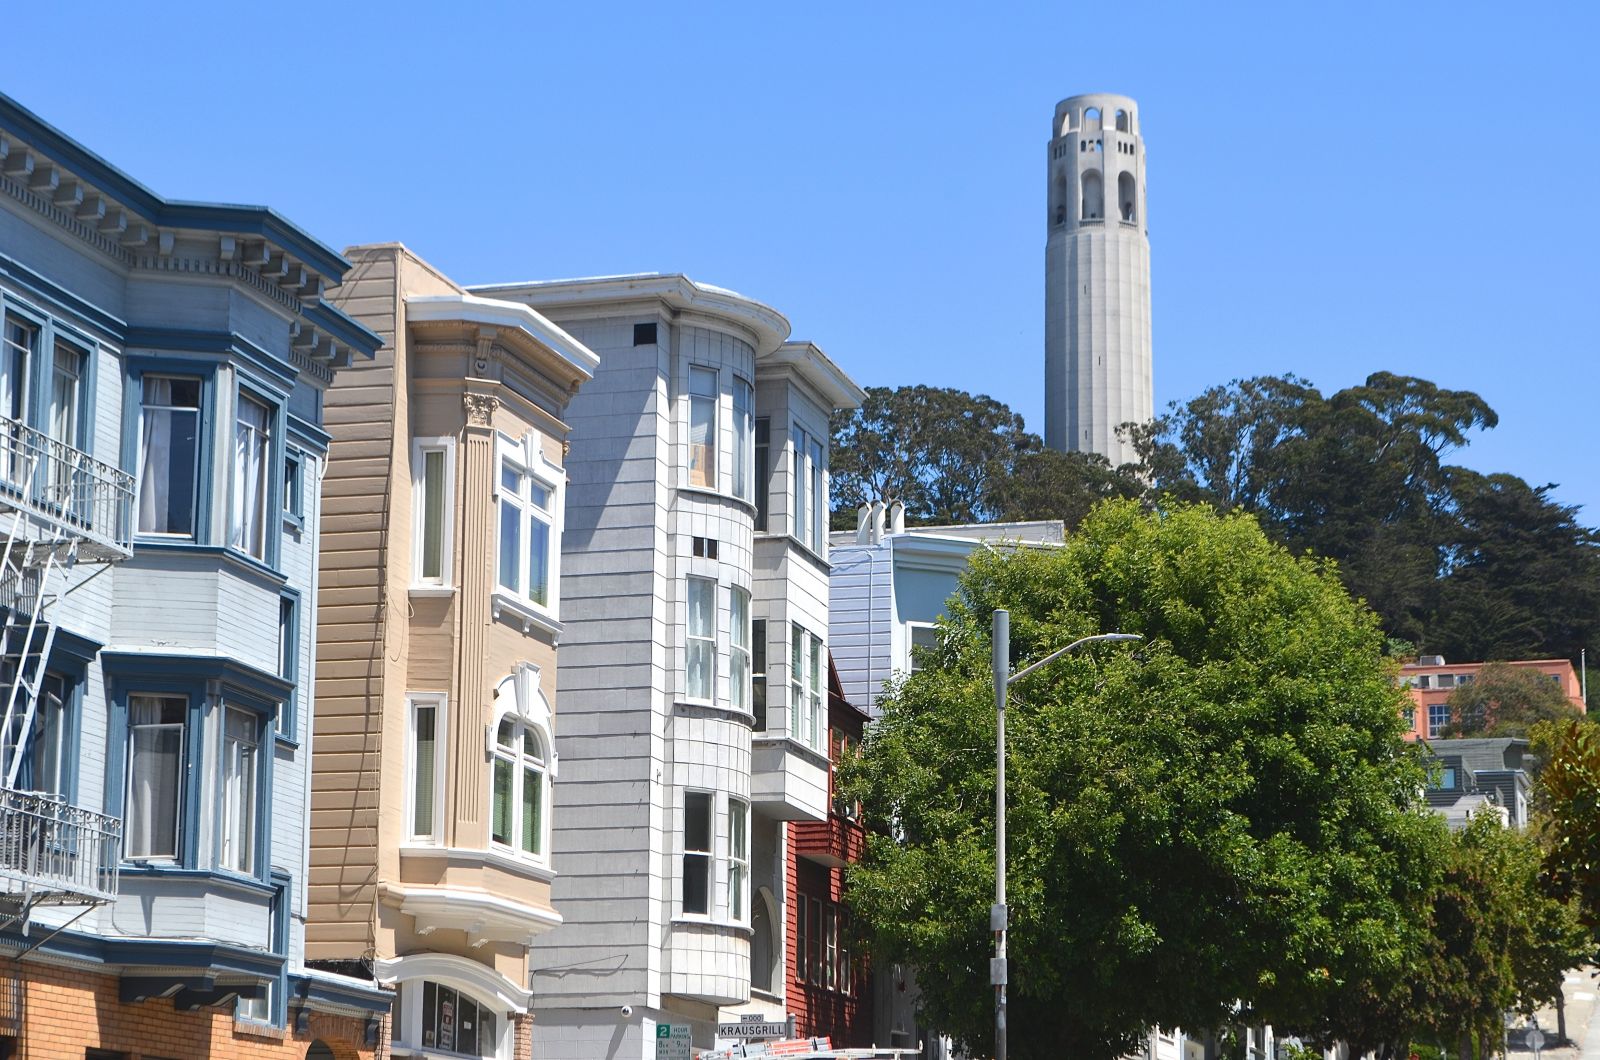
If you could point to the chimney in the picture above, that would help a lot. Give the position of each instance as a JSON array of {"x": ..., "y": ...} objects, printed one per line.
[
  {"x": 877, "y": 521},
  {"x": 897, "y": 517},
  {"x": 864, "y": 524}
]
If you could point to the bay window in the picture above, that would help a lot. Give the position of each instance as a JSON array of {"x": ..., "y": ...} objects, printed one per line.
[
  {"x": 252, "y": 456},
  {"x": 798, "y": 524},
  {"x": 703, "y": 427},
  {"x": 455, "y": 1023},
  {"x": 701, "y": 639},
  {"x": 156, "y": 737},
  {"x": 806, "y": 677},
  {"x": 169, "y": 454},
  {"x": 697, "y": 833},
  {"x": 763, "y": 484},
  {"x": 819, "y": 500},
  {"x": 809, "y": 484},
  {"x": 743, "y": 442},
  {"x": 758, "y": 672},
  {"x": 525, "y": 524},
  {"x": 739, "y": 649},
  {"x": 241, "y": 765},
  {"x": 519, "y": 788}
]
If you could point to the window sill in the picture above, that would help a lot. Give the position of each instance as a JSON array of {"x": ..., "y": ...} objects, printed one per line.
[
  {"x": 534, "y": 869},
  {"x": 253, "y": 1029},
  {"x": 698, "y": 921},
  {"x": 212, "y": 877},
  {"x": 286, "y": 740},
  {"x": 427, "y": 592},
  {"x": 503, "y": 604},
  {"x": 730, "y": 712},
  {"x": 297, "y": 523},
  {"x": 705, "y": 491},
  {"x": 226, "y": 553}
]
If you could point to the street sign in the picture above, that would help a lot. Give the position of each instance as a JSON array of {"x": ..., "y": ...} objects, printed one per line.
[
  {"x": 673, "y": 1042},
  {"x": 1535, "y": 1040},
  {"x": 748, "y": 1030}
]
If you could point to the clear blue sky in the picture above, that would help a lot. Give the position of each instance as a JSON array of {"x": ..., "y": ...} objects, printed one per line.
[{"x": 1334, "y": 189}]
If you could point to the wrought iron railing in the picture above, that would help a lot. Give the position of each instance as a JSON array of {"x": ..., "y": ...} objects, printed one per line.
[
  {"x": 55, "y": 851},
  {"x": 65, "y": 486}
]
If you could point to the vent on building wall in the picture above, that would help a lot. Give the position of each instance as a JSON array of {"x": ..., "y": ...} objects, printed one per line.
[{"x": 705, "y": 547}]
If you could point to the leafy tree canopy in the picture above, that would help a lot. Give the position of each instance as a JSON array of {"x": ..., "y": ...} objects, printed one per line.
[
  {"x": 1569, "y": 800},
  {"x": 1226, "y": 813},
  {"x": 1506, "y": 700}
]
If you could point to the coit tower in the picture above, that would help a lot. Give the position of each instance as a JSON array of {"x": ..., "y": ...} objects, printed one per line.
[{"x": 1097, "y": 278}]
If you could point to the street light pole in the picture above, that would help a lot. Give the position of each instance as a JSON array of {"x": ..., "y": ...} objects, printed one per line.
[{"x": 1000, "y": 662}]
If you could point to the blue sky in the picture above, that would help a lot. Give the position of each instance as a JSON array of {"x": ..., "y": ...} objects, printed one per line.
[{"x": 1333, "y": 190}]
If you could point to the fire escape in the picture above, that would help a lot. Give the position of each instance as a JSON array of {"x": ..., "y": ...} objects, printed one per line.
[{"x": 61, "y": 511}]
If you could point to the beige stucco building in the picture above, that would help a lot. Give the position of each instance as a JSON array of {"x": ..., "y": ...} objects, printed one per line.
[{"x": 440, "y": 615}]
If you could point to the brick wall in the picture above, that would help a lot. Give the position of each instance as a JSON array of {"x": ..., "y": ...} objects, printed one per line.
[{"x": 62, "y": 1013}]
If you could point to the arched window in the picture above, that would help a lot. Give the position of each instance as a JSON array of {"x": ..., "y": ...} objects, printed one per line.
[
  {"x": 455, "y": 1022},
  {"x": 1066, "y": 123},
  {"x": 520, "y": 778},
  {"x": 1127, "y": 198},
  {"x": 1094, "y": 197},
  {"x": 1091, "y": 118},
  {"x": 1123, "y": 122}
]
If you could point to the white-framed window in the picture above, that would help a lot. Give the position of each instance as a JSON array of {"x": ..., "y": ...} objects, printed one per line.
[
  {"x": 1438, "y": 718},
  {"x": 806, "y": 685},
  {"x": 738, "y": 860},
  {"x": 698, "y": 829},
  {"x": 169, "y": 454},
  {"x": 521, "y": 771},
  {"x": 809, "y": 486},
  {"x": 700, "y": 640},
  {"x": 241, "y": 771},
  {"x": 433, "y": 496},
  {"x": 425, "y": 767},
  {"x": 526, "y": 506},
  {"x": 922, "y": 638},
  {"x": 739, "y": 648},
  {"x": 288, "y": 663},
  {"x": 743, "y": 439},
  {"x": 252, "y": 456},
  {"x": 156, "y": 732},
  {"x": 66, "y": 403},
  {"x": 763, "y": 473},
  {"x": 799, "y": 524},
  {"x": 758, "y": 673},
  {"x": 44, "y": 744},
  {"x": 703, "y": 427},
  {"x": 294, "y": 503}
]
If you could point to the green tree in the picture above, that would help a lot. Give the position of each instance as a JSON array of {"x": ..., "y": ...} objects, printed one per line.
[
  {"x": 1226, "y": 814},
  {"x": 1569, "y": 818},
  {"x": 1505, "y": 700},
  {"x": 933, "y": 448},
  {"x": 1046, "y": 484}
]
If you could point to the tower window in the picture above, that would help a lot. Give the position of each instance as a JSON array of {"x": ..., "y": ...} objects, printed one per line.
[
  {"x": 1091, "y": 118},
  {"x": 1122, "y": 121},
  {"x": 1094, "y": 207},
  {"x": 1126, "y": 197}
]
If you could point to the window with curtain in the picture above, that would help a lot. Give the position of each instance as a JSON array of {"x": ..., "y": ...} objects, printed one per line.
[
  {"x": 241, "y": 767},
  {"x": 156, "y": 732},
  {"x": 44, "y": 745},
  {"x": 703, "y": 427},
  {"x": 425, "y": 734},
  {"x": 169, "y": 454},
  {"x": 697, "y": 832},
  {"x": 432, "y": 504},
  {"x": 814, "y": 712},
  {"x": 252, "y": 454},
  {"x": 738, "y": 860},
  {"x": 701, "y": 641},
  {"x": 66, "y": 417},
  {"x": 743, "y": 441},
  {"x": 739, "y": 648},
  {"x": 17, "y": 355},
  {"x": 519, "y": 787},
  {"x": 525, "y": 519}
]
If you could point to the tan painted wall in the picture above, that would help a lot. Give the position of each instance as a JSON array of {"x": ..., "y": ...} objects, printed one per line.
[{"x": 377, "y": 642}]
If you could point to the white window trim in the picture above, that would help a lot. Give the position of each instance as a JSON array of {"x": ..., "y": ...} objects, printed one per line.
[
  {"x": 419, "y": 446},
  {"x": 744, "y": 453},
  {"x": 440, "y": 702},
  {"x": 226, "y": 841},
  {"x": 713, "y": 875},
  {"x": 717, "y": 417},
  {"x": 486, "y": 987},
  {"x": 528, "y": 454},
  {"x": 911, "y": 642},
  {"x": 741, "y": 697},
  {"x": 733, "y": 862},
  {"x": 519, "y": 765}
]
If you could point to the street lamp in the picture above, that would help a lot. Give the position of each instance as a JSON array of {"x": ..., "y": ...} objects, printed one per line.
[{"x": 998, "y": 916}]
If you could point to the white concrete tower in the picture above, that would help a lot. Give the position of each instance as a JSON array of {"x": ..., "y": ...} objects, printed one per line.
[{"x": 1097, "y": 278}]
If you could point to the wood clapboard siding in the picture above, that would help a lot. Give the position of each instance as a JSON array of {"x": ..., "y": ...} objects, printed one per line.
[{"x": 366, "y": 456}]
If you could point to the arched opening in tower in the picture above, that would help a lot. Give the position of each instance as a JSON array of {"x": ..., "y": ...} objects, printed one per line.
[
  {"x": 1122, "y": 121},
  {"x": 1126, "y": 198},
  {"x": 1094, "y": 196}
]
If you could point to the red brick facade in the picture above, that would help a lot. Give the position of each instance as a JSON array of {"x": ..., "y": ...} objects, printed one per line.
[
  {"x": 54, "y": 1013},
  {"x": 828, "y": 991}
]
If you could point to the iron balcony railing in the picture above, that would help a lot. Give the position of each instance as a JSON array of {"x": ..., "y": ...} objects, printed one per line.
[
  {"x": 66, "y": 487},
  {"x": 57, "y": 853}
]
